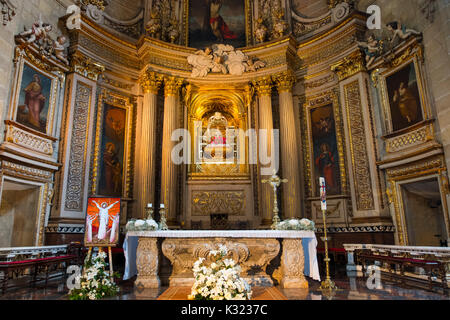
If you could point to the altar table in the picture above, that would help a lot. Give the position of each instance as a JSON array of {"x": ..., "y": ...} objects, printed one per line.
[{"x": 252, "y": 250}]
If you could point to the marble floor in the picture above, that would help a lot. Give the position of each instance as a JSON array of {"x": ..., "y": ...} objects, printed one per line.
[{"x": 350, "y": 289}]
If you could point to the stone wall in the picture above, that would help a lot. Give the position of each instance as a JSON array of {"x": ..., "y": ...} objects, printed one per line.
[{"x": 436, "y": 39}]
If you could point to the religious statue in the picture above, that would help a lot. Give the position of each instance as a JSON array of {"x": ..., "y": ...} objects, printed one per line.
[
  {"x": 59, "y": 50},
  {"x": 218, "y": 136},
  {"x": 372, "y": 48},
  {"x": 407, "y": 103},
  {"x": 153, "y": 26},
  {"x": 223, "y": 59},
  {"x": 260, "y": 31},
  {"x": 399, "y": 30},
  {"x": 34, "y": 101},
  {"x": 218, "y": 26},
  {"x": 279, "y": 25},
  {"x": 38, "y": 32}
]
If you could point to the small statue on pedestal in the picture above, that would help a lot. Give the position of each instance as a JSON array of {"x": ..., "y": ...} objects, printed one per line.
[
  {"x": 173, "y": 32},
  {"x": 279, "y": 25},
  {"x": 260, "y": 31},
  {"x": 153, "y": 27}
]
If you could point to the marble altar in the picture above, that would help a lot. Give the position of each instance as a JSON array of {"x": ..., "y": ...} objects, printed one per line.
[{"x": 253, "y": 250}]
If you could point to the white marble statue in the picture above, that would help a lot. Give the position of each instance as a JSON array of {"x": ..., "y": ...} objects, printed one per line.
[
  {"x": 400, "y": 31},
  {"x": 59, "y": 49},
  {"x": 39, "y": 31},
  {"x": 236, "y": 62},
  {"x": 202, "y": 61}
]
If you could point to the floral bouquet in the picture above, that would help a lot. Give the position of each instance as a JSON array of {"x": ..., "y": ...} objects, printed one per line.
[
  {"x": 220, "y": 280},
  {"x": 142, "y": 225},
  {"x": 95, "y": 283},
  {"x": 295, "y": 224}
]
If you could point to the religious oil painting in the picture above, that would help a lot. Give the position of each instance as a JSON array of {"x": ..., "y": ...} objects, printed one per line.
[
  {"x": 112, "y": 151},
  {"x": 217, "y": 21},
  {"x": 102, "y": 222},
  {"x": 325, "y": 149},
  {"x": 34, "y": 99},
  {"x": 404, "y": 98}
]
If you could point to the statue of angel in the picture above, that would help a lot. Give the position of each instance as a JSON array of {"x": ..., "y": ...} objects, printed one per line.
[
  {"x": 372, "y": 49},
  {"x": 236, "y": 62},
  {"x": 252, "y": 65},
  {"x": 202, "y": 61},
  {"x": 59, "y": 49},
  {"x": 260, "y": 31},
  {"x": 400, "y": 30},
  {"x": 217, "y": 65},
  {"x": 153, "y": 26},
  {"x": 37, "y": 32}
]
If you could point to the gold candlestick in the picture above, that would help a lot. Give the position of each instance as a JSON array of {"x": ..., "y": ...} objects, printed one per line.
[
  {"x": 149, "y": 210},
  {"x": 328, "y": 284},
  {"x": 275, "y": 182}
]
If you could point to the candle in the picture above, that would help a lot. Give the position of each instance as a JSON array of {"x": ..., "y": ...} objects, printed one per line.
[
  {"x": 149, "y": 205},
  {"x": 162, "y": 206}
]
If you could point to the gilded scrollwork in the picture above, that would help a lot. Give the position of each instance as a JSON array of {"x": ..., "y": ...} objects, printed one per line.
[
  {"x": 86, "y": 67},
  {"x": 206, "y": 202}
]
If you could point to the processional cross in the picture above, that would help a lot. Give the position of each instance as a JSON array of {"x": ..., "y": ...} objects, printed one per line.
[{"x": 275, "y": 181}]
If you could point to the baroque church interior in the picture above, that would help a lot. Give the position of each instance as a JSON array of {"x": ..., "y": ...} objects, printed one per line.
[{"x": 298, "y": 133}]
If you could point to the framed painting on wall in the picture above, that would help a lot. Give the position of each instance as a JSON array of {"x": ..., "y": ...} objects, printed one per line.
[
  {"x": 102, "y": 222},
  {"x": 218, "y": 21}
]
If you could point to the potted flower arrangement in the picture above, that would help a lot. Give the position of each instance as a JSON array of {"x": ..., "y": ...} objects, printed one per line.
[
  {"x": 295, "y": 224},
  {"x": 220, "y": 279},
  {"x": 95, "y": 283},
  {"x": 142, "y": 225}
]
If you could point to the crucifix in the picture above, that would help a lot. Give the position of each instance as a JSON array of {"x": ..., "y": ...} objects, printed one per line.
[{"x": 275, "y": 182}]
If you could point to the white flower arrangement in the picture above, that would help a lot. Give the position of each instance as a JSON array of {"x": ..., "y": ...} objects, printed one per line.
[
  {"x": 295, "y": 224},
  {"x": 142, "y": 225},
  {"x": 95, "y": 283},
  {"x": 220, "y": 280}
]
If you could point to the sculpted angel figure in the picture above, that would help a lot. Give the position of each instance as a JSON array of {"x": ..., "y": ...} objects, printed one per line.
[
  {"x": 202, "y": 61},
  {"x": 372, "y": 49},
  {"x": 236, "y": 62},
  {"x": 153, "y": 26},
  {"x": 253, "y": 65},
  {"x": 218, "y": 65},
  {"x": 59, "y": 50},
  {"x": 37, "y": 32},
  {"x": 399, "y": 30},
  {"x": 260, "y": 31}
]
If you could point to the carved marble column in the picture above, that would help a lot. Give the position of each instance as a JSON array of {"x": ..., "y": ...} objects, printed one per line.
[
  {"x": 145, "y": 159},
  {"x": 292, "y": 265},
  {"x": 169, "y": 169},
  {"x": 264, "y": 90},
  {"x": 289, "y": 147},
  {"x": 147, "y": 261}
]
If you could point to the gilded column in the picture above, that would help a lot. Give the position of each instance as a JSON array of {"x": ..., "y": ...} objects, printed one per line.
[
  {"x": 169, "y": 169},
  {"x": 289, "y": 146},
  {"x": 150, "y": 82},
  {"x": 264, "y": 90}
]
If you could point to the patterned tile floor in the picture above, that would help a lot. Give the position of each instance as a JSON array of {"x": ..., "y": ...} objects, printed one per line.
[{"x": 350, "y": 289}]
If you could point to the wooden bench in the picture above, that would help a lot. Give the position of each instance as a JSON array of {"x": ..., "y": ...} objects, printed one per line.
[
  {"x": 429, "y": 264},
  {"x": 40, "y": 268}
]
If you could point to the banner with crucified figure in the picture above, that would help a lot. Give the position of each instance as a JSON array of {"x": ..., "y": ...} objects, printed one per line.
[{"x": 102, "y": 222}]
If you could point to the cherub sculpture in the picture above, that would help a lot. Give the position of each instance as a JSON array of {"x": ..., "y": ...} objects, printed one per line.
[
  {"x": 202, "y": 62},
  {"x": 279, "y": 25},
  {"x": 253, "y": 65},
  {"x": 399, "y": 30},
  {"x": 59, "y": 49},
  {"x": 173, "y": 31},
  {"x": 372, "y": 48}
]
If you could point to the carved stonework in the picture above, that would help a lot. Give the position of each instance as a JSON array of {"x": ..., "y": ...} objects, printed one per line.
[
  {"x": 358, "y": 147},
  {"x": 78, "y": 148},
  {"x": 172, "y": 86},
  {"x": 349, "y": 66},
  {"x": 28, "y": 140},
  {"x": 253, "y": 256},
  {"x": 225, "y": 202},
  {"x": 25, "y": 172},
  {"x": 410, "y": 139},
  {"x": 8, "y": 11},
  {"x": 263, "y": 86},
  {"x": 85, "y": 67},
  {"x": 151, "y": 82},
  {"x": 147, "y": 263},
  {"x": 285, "y": 81},
  {"x": 293, "y": 264}
]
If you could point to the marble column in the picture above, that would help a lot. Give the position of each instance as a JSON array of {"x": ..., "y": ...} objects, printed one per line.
[
  {"x": 169, "y": 174},
  {"x": 150, "y": 82},
  {"x": 264, "y": 90},
  {"x": 289, "y": 147}
]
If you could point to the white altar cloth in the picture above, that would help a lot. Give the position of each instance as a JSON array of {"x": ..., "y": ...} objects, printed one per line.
[{"x": 309, "y": 242}]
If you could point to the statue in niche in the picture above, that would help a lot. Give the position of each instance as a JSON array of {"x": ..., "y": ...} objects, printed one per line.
[
  {"x": 173, "y": 32},
  {"x": 216, "y": 135},
  {"x": 260, "y": 31},
  {"x": 400, "y": 31},
  {"x": 153, "y": 26},
  {"x": 372, "y": 48}
]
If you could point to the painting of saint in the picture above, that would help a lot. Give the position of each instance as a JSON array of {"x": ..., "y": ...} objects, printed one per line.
[
  {"x": 404, "y": 98},
  {"x": 102, "y": 222},
  {"x": 326, "y": 156},
  {"x": 217, "y": 21},
  {"x": 112, "y": 152},
  {"x": 34, "y": 100}
]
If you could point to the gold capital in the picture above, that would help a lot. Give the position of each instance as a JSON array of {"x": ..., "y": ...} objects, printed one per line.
[
  {"x": 151, "y": 82},
  {"x": 172, "y": 86},
  {"x": 263, "y": 86},
  {"x": 285, "y": 81},
  {"x": 86, "y": 67},
  {"x": 349, "y": 66}
]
